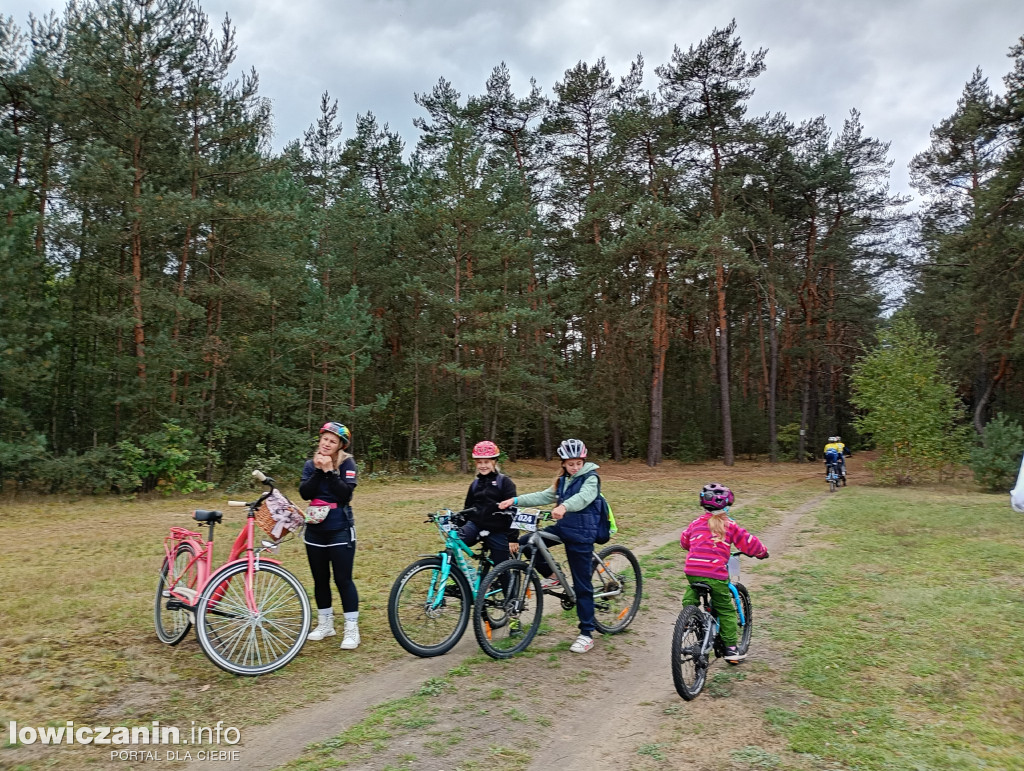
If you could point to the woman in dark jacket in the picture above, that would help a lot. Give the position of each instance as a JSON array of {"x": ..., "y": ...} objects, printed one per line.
[{"x": 328, "y": 481}]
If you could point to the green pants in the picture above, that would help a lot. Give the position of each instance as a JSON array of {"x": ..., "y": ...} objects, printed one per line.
[{"x": 722, "y": 603}]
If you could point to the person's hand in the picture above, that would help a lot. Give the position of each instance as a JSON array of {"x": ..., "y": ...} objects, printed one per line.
[
  {"x": 323, "y": 462},
  {"x": 558, "y": 512},
  {"x": 506, "y": 503},
  {"x": 513, "y": 547}
]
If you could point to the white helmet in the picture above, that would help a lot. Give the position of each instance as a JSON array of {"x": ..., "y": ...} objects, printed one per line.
[{"x": 572, "y": 448}]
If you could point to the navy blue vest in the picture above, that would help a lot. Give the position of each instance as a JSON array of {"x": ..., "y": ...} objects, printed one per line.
[{"x": 578, "y": 526}]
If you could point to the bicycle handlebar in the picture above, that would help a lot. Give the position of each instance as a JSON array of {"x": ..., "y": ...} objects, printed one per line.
[
  {"x": 237, "y": 503},
  {"x": 741, "y": 554},
  {"x": 261, "y": 477}
]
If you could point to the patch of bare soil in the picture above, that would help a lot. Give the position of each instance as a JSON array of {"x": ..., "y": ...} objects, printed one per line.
[
  {"x": 614, "y": 707},
  {"x": 644, "y": 722}
]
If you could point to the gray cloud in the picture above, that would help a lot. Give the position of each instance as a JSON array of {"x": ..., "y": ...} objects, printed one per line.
[{"x": 901, "y": 63}]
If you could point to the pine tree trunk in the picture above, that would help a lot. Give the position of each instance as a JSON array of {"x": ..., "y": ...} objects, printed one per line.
[
  {"x": 728, "y": 454},
  {"x": 773, "y": 377},
  {"x": 805, "y": 403},
  {"x": 138, "y": 332},
  {"x": 660, "y": 341}
]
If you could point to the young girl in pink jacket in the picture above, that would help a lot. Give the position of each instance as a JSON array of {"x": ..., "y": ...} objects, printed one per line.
[{"x": 709, "y": 539}]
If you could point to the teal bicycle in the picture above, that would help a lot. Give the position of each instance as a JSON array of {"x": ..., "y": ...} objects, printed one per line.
[{"x": 430, "y": 601}]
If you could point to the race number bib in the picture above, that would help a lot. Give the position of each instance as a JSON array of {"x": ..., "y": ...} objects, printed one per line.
[{"x": 525, "y": 520}]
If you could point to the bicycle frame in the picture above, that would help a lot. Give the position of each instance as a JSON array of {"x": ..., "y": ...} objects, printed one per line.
[
  {"x": 538, "y": 545},
  {"x": 203, "y": 558},
  {"x": 455, "y": 551}
]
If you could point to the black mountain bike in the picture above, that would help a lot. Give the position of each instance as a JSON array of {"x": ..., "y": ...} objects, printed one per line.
[{"x": 696, "y": 637}]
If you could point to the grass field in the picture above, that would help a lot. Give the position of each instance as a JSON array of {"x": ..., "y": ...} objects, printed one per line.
[
  {"x": 907, "y": 633},
  {"x": 902, "y": 623}
]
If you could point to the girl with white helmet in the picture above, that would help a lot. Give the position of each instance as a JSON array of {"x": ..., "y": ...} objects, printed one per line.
[{"x": 577, "y": 516}]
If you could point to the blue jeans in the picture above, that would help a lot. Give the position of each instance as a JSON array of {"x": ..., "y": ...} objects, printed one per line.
[{"x": 580, "y": 557}]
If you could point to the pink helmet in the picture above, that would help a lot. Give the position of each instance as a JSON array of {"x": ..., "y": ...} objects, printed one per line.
[
  {"x": 486, "y": 449},
  {"x": 714, "y": 497}
]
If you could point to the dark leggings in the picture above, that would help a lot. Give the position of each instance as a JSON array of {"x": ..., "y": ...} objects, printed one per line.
[{"x": 321, "y": 560}]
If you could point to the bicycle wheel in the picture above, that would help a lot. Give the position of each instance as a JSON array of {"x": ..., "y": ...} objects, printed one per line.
[
  {"x": 689, "y": 664},
  {"x": 618, "y": 587},
  {"x": 424, "y": 622},
  {"x": 173, "y": 625},
  {"x": 831, "y": 485},
  {"x": 246, "y": 642},
  {"x": 513, "y": 587},
  {"x": 748, "y": 619}
]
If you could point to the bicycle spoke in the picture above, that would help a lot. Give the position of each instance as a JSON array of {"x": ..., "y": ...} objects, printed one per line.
[{"x": 254, "y": 641}]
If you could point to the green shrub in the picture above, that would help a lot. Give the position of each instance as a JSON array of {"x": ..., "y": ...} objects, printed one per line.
[
  {"x": 426, "y": 461},
  {"x": 908, "y": 406},
  {"x": 788, "y": 437},
  {"x": 167, "y": 460},
  {"x": 996, "y": 460}
]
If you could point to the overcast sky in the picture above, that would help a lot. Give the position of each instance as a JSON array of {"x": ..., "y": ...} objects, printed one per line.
[{"x": 901, "y": 63}]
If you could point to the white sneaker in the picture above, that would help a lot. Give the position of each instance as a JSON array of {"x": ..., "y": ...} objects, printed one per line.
[
  {"x": 582, "y": 644},
  {"x": 350, "y": 641},
  {"x": 324, "y": 628},
  {"x": 550, "y": 583}
]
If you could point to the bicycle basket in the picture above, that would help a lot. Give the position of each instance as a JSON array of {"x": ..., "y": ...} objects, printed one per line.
[{"x": 277, "y": 516}]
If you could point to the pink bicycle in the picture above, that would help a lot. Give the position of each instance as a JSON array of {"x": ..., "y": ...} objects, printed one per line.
[{"x": 251, "y": 615}]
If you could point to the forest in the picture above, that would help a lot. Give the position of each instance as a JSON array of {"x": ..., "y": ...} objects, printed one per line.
[{"x": 631, "y": 258}]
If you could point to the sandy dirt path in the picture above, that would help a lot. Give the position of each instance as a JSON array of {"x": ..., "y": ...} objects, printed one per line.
[{"x": 643, "y": 690}]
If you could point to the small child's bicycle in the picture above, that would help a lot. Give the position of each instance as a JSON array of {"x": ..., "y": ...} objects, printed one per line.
[
  {"x": 696, "y": 634},
  {"x": 430, "y": 601},
  {"x": 512, "y": 592},
  {"x": 251, "y": 615}
]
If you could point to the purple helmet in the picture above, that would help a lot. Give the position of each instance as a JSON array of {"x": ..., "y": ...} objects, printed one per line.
[{"x": 715, "y": 497}]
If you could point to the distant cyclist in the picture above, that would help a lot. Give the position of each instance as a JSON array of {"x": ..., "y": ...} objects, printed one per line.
[{"x": 835, "y": 446}]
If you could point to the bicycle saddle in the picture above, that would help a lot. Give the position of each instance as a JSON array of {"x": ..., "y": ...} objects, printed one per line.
[{"x": 201, "y": 515}]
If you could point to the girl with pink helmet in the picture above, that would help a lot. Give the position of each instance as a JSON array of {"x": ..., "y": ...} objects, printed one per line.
[
  {"x": 488, "y": 488},
  {"x": 709, "y": 540}
]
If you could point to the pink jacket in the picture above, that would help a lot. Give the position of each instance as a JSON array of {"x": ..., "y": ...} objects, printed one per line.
[{"x": 708, "y": 558}]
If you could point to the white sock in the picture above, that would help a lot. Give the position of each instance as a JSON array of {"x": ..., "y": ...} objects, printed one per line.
[{"x": 352, "y": 615}]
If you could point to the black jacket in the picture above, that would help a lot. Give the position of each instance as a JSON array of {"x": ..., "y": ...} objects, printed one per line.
[
  {"x": 333, "y": 487},
  {"x": 484, "y": 495}
]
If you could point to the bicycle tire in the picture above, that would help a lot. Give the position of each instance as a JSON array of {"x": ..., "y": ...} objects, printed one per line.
[
  {"x": 173, "y": 625},
  {"x": 831, "y": 485},
  {"x": 689, "y": 664},
  {"x": 613, "y": 613},
  {"x": 743, "y": 643},
  {"x": 428, "y": 631},
  {"x": 240, "y": 641},
  {"x": 516, "y": 588}
]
